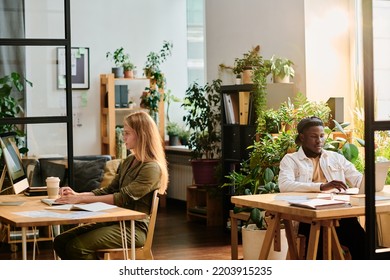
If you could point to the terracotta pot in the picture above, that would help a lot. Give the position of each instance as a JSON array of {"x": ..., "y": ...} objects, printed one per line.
[
  {"x": 247, "y": 76},
  {"x": 129, "y": 74}
]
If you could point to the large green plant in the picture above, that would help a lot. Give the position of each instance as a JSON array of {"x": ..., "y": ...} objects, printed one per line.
[
  {"x": 10, "y": 85},
  {"x": 203, "y": 119}
]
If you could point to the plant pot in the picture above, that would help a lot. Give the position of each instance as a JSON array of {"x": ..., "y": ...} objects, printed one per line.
[
  {"x": 284, "y": 80},
  {"x": 247, "y": 76},
  {"x": 129, "y": 74},
  {"x": 117, "y": 71},
  {"x": 174, "y": 140},
  {"x": 204, "y": 171},
  {"x": 252, "y": 240}
]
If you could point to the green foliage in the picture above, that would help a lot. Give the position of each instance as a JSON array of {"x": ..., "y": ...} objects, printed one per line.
[
  {"x": 340, "y": 144},
  {"x": 270, "y": 186},
  {"x": 173, "y": 129},
  {"x": 169, "y": 98},
  {"x": 202, "y": 104},
  {"x": 150, "y": 99},
  {"x": 154, "y": 60},
  {"x": 281, "y": 67},
  {"x": 249, "y": 60},
  {"x": 10, "y": 85},
  {"x": 118, "y": 57}
]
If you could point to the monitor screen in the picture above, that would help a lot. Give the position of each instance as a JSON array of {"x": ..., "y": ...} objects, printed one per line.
[{"x": 13, "y": 162}]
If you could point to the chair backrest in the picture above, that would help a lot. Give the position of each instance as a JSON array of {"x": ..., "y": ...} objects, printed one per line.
[{"x": 152, "y": 222}]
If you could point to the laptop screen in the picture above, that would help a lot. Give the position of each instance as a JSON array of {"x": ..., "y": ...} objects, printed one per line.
[{"x": 13, "y": 163}]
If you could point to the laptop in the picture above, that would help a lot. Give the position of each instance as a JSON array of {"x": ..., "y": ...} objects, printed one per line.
[
  {"x": 13, "y": 163},
  {"x": 381, "y": 170}
]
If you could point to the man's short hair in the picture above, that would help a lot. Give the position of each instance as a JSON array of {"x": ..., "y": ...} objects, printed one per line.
[{"x": 306, "y": 123}]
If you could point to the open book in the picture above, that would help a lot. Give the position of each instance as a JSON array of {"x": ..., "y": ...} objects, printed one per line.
[
  {"x": 92, "y": 207},
  {"x": 319, "y": 203}
]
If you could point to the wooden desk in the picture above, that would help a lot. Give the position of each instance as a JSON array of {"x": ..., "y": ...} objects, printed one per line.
[
  {"x": 8, "y": 215},
  {"x": 326, "y": 220}
]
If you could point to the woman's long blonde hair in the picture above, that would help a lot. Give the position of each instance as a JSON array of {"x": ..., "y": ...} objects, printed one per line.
[{"x": 149, "y": 143}]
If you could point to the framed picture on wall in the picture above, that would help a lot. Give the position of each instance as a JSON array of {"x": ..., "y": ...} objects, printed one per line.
[{"x": 79, "y": 65}]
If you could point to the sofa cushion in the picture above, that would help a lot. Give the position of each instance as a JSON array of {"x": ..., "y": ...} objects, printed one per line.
[
  {"x": 110, "y": 170},
  {"x": 52, "y": 169},
  {"x": 88, "y": 174}
]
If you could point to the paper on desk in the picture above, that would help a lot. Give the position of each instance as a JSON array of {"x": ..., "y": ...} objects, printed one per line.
[
  {"x": 291, "y": 198},
  {"x": 50, "y": 214},
  {"x": 92, "y": 207}
]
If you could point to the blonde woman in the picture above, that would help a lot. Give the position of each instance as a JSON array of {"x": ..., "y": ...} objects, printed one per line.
[{"x": 142, "y": 172}]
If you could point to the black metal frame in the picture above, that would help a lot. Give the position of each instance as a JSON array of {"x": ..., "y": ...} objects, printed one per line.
[
  {"x": 370, "y": 126},
  {"x": 68, "y": 119}
]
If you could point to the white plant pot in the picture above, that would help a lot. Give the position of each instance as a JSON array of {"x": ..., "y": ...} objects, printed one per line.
[
  {"x": 284, "y": 80},
  {"x": 252, "y": 240}
]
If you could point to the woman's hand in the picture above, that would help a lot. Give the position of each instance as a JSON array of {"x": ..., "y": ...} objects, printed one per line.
[
  {"x": 335, "y": 184},
  {"x": 67, "y": 191}
]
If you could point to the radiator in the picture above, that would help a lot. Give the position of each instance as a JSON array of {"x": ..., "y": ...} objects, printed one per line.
[{"x": 180, "y": 176}]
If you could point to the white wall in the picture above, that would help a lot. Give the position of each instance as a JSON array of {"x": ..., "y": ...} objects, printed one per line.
[
  {"x": 138, "y": 26},
  {"x": 234, "y": 27},
  {"x": 328, "y": 49},
  {"x": 296, "y": 29}
]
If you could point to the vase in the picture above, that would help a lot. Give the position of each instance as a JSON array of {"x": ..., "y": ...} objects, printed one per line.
[
  {"x": 117, "y": 71},
  {"x": 204, "y": 171},
  {"x": 252, "y": 241}
]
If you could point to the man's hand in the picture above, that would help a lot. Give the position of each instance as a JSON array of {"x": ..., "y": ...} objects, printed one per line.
[{"x": 335, "y": 184}]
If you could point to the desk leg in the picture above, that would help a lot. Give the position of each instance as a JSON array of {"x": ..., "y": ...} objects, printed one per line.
[
  {"x": 132, "y": 239},
  {"x": 122, "y": 226},
  {"x": 327, "y": 243},
  {"x": 269, "y": 236},
  {"x": 313, "y": 241},
  {"x": 338, "y": 251},
  {"x": 24, "y": 243},
  {"x": 234, "y": 238},
  {"x": 292, "y": 245}
]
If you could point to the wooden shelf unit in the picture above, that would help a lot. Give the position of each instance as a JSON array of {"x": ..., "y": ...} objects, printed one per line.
[
  {"x": 109, "y": 114},
  {"x": 204, "y": 203},
  {"x": 14, "y": 235}
]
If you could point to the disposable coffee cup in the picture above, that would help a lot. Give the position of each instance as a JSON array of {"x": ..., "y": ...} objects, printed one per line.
[{"x": 53, "y": 187}]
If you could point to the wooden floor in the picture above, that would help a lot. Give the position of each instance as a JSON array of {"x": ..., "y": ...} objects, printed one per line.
[{"x": 174, "y": 239}]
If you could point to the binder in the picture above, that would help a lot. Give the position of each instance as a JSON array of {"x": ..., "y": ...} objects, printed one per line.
[
  {"x": 124, "y": 96},
  {"x": 117, "y": 96},
  {"x": 243, "y": 100}
]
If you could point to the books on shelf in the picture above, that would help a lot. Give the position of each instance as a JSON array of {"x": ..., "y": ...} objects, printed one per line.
[
  {"x": 243, "y": 100},
  {"x": 232, "y": 110}
]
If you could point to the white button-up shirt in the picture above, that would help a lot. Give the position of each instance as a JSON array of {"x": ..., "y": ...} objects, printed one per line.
[{"x": 296, "y": 171}]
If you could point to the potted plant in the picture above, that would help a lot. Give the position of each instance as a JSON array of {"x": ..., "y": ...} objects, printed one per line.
[
  {"x": 150, "y": 99},
  {"x": 119, "y": 58},
  {"x": 154, "y": 60},
  {"x": 184, "y": 135},
  {"x": 244, "y": 65},
  {"x": 281, "y": 69},
  {"x": 10, "y": 107},
  {"x": 203, "y": 120},
  {"x": 173, "y": 131},
  {"x": 128, "y": 69},
  {"x": 254, "y": 228},
  {"x": 173, "y": 128}
]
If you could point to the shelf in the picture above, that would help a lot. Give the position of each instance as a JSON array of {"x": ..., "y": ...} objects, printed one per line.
[
  {"x": 204, "y": 203},
  {"x": 111, "y": 116}
]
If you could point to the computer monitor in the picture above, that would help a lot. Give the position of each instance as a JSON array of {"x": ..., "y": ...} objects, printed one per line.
[{"x": 13, "y": 162}]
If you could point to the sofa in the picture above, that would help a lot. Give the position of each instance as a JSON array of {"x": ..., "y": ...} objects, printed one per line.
[{"x": 90, "y": 172}]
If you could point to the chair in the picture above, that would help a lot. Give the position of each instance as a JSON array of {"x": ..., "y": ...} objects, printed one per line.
[{"x": 141, "y": 253}]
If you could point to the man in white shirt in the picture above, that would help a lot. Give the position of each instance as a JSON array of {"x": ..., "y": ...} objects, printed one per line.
[{"x": 313, "y": 169}]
